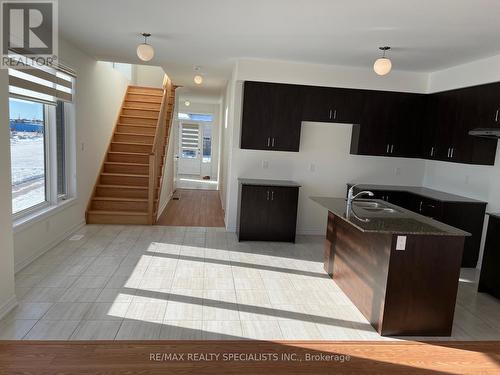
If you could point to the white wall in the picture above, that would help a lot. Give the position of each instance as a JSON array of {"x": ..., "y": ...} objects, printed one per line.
[
  {"x": 149, "y": 76},
  {"x": 99, "y": 94},
  {"x": 7, "y": 296},
  {"x": 326, "y": 146}
]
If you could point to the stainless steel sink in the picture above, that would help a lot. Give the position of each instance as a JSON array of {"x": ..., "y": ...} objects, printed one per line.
[
  {"x": 367, "y": 204},
  {"x": 373, "y": 207}
]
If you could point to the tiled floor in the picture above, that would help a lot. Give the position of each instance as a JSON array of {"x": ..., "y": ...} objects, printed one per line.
[{"x": 141, "y": 282}]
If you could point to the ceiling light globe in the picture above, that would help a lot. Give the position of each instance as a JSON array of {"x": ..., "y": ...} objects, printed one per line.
[
  {"x": 382, "y": 66},
  {"x": 198, "y": 79},
  {"x": 145, "y": 52},
  {"x": 187, "y": 103}
]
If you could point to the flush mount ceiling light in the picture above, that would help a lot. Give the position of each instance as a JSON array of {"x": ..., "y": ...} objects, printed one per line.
[
  {"x": 187, "y": 103},
  {"x": 383, "y": 65},
  {"x": 198, "y": 78},
  {"x": 145, "y": 51}
]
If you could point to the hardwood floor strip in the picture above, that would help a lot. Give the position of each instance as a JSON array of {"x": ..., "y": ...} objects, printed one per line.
[
  {"x": 195, "y": 208},
  {"x": 248, "y": 357}
]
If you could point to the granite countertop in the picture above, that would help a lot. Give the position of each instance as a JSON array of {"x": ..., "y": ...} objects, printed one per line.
[
  {"x": 497, "y": 215},
  {"x": 398, "y": 221},
  {"x": 264, "y": 182},
  {"x": 421, "y": 191}
]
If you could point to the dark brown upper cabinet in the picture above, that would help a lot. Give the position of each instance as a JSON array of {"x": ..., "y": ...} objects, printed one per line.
[
  {"x": 389, "y": 125},
  {"x": 394, "y": 124},
  {"x": 325, "y": 104},
  {"x": 452, "y": 114},
  {"x": 272, "y": 116}
]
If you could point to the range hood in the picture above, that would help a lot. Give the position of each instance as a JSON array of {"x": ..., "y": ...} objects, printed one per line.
[{"x": 486, "y": 132}]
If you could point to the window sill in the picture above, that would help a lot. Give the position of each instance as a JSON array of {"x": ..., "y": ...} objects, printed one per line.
[{"x": 42, "y": 214}]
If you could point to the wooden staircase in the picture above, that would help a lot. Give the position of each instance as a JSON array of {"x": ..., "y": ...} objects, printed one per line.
[{"x": 129, "y": 183}]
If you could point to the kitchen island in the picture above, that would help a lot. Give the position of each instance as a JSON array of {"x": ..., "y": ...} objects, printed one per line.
[{"x": 399, "y": 268}]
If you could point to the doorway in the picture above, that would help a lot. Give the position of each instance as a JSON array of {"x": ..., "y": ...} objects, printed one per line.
[{"x": 196, "y": 166}]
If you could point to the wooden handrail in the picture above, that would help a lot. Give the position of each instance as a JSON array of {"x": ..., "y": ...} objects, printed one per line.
[{"x": 157, "y": 149}]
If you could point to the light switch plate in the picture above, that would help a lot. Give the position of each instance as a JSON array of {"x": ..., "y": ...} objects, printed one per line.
[{"x": 401, "y": 243}]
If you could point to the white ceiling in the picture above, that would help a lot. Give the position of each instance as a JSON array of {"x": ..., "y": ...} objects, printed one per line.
[{"x": 426, "y": 35}]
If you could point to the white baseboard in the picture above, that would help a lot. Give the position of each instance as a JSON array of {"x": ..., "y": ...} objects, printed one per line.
[
  {"x": 57, "y": 240},
  {"x": 164, "y": 205},
  {"x": 7, "y": 307}
]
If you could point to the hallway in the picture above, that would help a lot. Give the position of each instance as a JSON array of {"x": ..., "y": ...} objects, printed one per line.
[{"x": 194, "y": 208}]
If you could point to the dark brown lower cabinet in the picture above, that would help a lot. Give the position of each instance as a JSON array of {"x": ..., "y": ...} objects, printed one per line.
[
  {"x": 267, "y": 212},
  {"x": 489, "y": 281}
]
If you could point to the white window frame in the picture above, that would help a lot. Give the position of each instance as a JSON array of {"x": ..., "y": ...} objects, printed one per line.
[{"x": 53, "y": 202}]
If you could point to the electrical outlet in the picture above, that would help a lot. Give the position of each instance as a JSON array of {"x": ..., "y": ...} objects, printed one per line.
[
  {"x": 312, "y": 167},
  {"x": 397, "y": 171},
  {"x": 265, "y": 164},
  {"x": 401, "y": 243},
  {"x": 467, "y": 180}
]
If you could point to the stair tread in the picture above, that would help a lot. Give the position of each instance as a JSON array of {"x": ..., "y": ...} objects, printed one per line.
[
  {"x": 123, "y": 174},
  {"x": 160, "y": 95},
  {"x": 131, "y": 213},
  {"x": 144, "y": 117},
  {"x": 141, "y": 101},
  {"x": 142, "y": 135},
  {"x": 125, "y": 163},
  {"x": 138, "y": 125},
  {"x": 141, "y": 109},
  {"x": 123, "y": 186},
  {"x": 121, "y": 199},
  {"x": 131, "y": 143},
  {"x": 128, "y": 153}
]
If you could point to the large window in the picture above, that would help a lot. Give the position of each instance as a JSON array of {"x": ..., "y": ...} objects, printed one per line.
[
  {"x": 28, "y": 151},
  {"x": 39, "y": 160}
]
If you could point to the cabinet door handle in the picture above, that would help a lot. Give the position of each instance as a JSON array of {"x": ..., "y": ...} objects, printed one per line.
[
  {"x": 268, "y": 195},
  {"x": 268, "y": 141},
  {"x": 420, "y": 206},
  {"x": 452, "y": 152},
  {"x": 330, "y": 114},
  {"x": 392, "y": 149},
  {"x": 335, "y": 114},
  {"x": 272, "y": 195},
  {"x": 432, "y": 151},
  {"x": 496, "y": 116},
  {"x": 387, "y": 148},
  {"x": 273, "y": 142},
  {"x": 449, "y": 152}
]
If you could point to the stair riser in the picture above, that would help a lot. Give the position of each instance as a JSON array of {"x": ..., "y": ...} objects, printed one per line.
[
  {"x": 144, "y": 98},
  {"x": 124, "y": 180},
  {"x": 127, "y": 158},
  {"x": 143, "y": 105},
  {"x": 140, "y": 112},
  {"x": 141, "y": 90},
  {"x": 131, "y": 148},
  {"x": 119, "y": 206},
  {"x": 116, "y": 219},
  {"x": 146, "y": 130},
  {"x": 121, "y": 193},
  {"x": 130, "y": 169},
  {"x": 133, "y": 139},
  {"x": 138, "y": 121}
]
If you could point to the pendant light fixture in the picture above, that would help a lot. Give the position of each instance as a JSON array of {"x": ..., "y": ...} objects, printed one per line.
[
  {"x": 383, "y": 65},
  {"x": 145, "y": 51}
]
